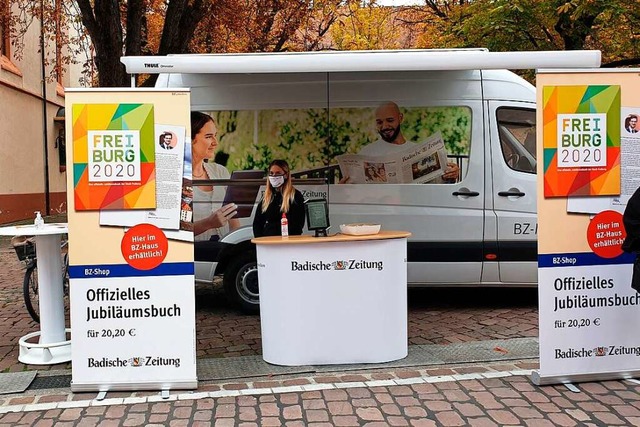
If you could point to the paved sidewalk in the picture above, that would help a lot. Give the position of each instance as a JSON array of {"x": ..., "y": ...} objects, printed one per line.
[
  {"x": 443, "y": 397},
  {"x": 474, "y": 394},
  {"x": 436, "y": 316}
]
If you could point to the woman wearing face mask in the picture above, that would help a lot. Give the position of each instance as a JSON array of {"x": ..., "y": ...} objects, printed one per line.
[
  {"x": 211, "y": 220},
  {"x": 279, "y": 197}
]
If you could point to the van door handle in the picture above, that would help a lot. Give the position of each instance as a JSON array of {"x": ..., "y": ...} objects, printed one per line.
[
  {"x": 511, "y": 194},
  {"x": 466, "y": 193}
]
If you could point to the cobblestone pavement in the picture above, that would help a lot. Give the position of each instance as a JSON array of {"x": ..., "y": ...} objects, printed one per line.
[
  {"x": 491, "y": 394},
  {"x": 436, "y": 316},
  {"x": 484, "y": 398}
]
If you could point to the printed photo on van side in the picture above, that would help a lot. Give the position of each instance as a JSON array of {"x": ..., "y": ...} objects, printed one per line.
[
  {"x": 425, "y": 166},
  {"x": 313, "y": 138},
  {"x": 375, "y": 172}
]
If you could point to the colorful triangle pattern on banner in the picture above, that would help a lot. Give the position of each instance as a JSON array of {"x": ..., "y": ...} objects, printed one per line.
[
  {"x": 577, "y": 161},
  {"x": 113, "y": 156}
]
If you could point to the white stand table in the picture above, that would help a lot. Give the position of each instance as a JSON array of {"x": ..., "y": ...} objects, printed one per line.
[
  {"x": 53, "y": 346},
  {"x": 333, "y": 300}
]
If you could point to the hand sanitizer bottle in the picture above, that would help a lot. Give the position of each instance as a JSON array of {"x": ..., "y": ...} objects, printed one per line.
[
  {"x": 39, "y": 221},
  {"x": 284, "y": 225}
]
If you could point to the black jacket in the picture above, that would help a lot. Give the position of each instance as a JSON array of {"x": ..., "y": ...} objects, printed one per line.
[
  {"x": 268, "y": 223},
  {"x": 631, "y": 221}
]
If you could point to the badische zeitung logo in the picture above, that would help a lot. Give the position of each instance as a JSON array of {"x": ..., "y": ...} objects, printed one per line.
[
  {"x": 338, "y": 265},
  {"x": 601, "y": 351},
  {"x": 117, "y": 362}
]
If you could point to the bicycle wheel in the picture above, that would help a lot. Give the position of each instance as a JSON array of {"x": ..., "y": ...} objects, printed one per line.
[
  {"x": 30, "y": 291},
  {"x": 65, "y": 274}
]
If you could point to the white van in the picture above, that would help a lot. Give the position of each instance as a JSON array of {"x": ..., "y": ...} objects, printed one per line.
[{"x": 311, "y": 107}]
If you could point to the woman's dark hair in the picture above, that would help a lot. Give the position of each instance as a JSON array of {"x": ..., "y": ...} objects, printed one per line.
[{"x": 198, "y": 120}]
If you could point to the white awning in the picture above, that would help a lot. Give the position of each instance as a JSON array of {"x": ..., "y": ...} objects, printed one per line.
[{"x": 348, "y": 61}]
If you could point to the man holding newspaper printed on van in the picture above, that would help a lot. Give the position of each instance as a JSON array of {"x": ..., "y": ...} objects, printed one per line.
[{"x": 391, "y": 160}]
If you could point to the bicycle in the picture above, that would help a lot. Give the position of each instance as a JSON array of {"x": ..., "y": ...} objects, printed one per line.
[{"x": 25, "y": 248}]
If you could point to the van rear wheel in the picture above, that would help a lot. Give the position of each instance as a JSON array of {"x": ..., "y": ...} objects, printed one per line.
[{"x": 241, "y": 282}]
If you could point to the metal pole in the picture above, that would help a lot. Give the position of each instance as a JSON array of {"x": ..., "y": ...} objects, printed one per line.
[{"x": 47, "y": 196}]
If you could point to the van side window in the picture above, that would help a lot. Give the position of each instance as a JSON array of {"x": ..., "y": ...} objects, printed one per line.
[
  {"x": 316, "y": 140},
  {"x": 517, "y": 130}
]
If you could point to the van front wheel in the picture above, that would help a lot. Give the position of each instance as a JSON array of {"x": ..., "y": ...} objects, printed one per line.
[{"x": 241, "y": 282}]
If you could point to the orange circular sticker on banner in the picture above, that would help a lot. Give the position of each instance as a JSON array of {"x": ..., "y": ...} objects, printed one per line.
[
  {"x": 144, "y": 246},
  {"x": 606, "y": 233}
]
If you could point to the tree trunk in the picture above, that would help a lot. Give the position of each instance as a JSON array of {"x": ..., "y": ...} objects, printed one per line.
[
  {"x": 103, "y": 21},
  {"x": 575, "y": 30},
  {"x": 135, "y": 18},
  {"x": 104, "y": 26},
  {"x": 180, "y": 23}
]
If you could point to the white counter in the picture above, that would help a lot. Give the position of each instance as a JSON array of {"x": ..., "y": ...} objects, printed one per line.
[
  {"x": 52, "y": 346},
  {"x": 333, "y": 300}
]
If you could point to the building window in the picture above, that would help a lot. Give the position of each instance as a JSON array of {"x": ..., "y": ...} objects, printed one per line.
[
  {"x": 58, "y": 14},
  {"x": 5, "y": 40},
  {"x": 59, "y": 69}
]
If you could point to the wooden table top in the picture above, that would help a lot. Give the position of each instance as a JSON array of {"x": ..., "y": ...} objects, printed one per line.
[{"x": 339, "y": 237}]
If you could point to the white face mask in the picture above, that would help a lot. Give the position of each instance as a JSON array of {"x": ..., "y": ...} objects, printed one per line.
[{"x": 276, "y": 181}]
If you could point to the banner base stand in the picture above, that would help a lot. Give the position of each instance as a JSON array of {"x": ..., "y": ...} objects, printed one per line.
[
  {"x": 139, "y": 386},
  {"x": 572, "y": 388},
  {"x": 539, "y": 379}
]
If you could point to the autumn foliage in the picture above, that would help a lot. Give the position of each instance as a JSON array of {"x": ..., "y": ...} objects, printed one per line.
[{"x": 108, "y": 29}]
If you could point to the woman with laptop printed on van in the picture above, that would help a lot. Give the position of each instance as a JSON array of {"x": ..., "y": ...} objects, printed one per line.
[
  {"x": 211, "y": 220},
  {"x": 281, "y": 204}
]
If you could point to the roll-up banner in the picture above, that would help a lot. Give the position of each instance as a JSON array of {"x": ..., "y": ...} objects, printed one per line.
[
  {"x": 130, "y": 239},
  {"x": 588, "y": 167}
]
